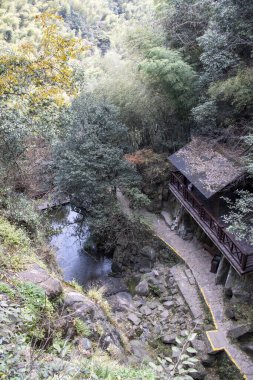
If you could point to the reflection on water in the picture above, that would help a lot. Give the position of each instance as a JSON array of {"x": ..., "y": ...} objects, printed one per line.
[{"x": 74, "y": 261}]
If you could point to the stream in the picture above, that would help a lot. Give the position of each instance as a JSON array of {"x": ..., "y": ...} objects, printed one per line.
[{"x": 76, "y": 263}]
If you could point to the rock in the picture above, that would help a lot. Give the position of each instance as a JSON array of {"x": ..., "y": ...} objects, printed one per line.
[
  {"x": 240, "y": 330},
  {"x": 169, "y": 339},
  {"x": 199, "y": 345},
  {"x": 114, "y": 285},
  {"x": 167, "y": 218},
  {"x": 158, "y": 330},
  {"x": 156, "y": 273},
  {"x": 71, "y": 298},
  {"x": 153, "y": 305},
  {"x": 86, "y": 344},
  {"x": 116, "y": 268},
  {"x": 247, "y": 347},
  {"x": 208, "y": 360},
  {"x": 165, "y": 298},
  {"x": 122, "y": 301},
  {"x": 142, "y": 289},
  {"x": 140, "y": 350},
  {"x": 106, "y": 341},
  {"x": 181, "y": 321},
  {"x": 200, "y": 374},
  {"x": 149, "y": 253},
  {"x": 151, "y": 278},
  {"x": 134, "y": 319},
  {"x": 168, "y": 305},
  {"x": 160, "y": 308},
  {"x": 170, "y": 280},
  {"x": 146, "y": 310},
  {"x": 164, "y": 315},
  {"x": 40, "y": 277},
  {"x": 240, "y": 288},
  {"x": 80, "y": 304},
  {"x": 144, "y": 270},
  {"x": 230, "y": 313},
  {"x": 138, "y": 303}
]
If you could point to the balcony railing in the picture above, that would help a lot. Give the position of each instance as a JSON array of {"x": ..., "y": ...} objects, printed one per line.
[{"x": 241, "y": 260}]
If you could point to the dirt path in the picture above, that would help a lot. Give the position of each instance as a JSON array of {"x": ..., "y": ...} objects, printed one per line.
[{"x": 198, "y": 260}]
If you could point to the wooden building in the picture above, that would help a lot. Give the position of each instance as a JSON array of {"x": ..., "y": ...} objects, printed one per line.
[{"x": 203, "y": 174}]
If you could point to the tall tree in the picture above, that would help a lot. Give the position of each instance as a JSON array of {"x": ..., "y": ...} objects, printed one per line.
[{"x": 91, "y": 162}]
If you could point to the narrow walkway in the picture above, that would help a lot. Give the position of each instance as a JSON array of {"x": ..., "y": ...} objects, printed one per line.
[
  {"x": 198, "y": 261},
  {"x": 189, "y": 292}
]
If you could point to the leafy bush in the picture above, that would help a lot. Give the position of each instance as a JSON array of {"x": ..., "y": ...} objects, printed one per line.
[
  {"x": 12, "y": 344},
  {"x": 81, "y": 327},
  {"x": 22, "y": 211},
  {"x": 37, "y": 311},
  {"x": 239, "y": 218},
  {"x": 137, "y": 198},
  {"x": 6, "y": 289},
  {"x": 34, "y": 298},
  {"x": 182, "y": 366},
  {"x": 15, "y": 246},
  {"x": 13, "y": 237}
]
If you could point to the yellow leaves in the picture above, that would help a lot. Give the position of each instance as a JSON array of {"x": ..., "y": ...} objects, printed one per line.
[{"x": 42, "y": 72}]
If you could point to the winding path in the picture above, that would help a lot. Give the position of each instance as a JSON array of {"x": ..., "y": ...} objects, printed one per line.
[{"x": 198, "y": 260}]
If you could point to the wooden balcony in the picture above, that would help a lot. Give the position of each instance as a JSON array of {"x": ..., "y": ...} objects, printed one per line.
[{"x": 239, "y": 257}]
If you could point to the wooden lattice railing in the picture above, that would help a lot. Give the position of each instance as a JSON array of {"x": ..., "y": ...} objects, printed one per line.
[{"x": 230, "y": 245}]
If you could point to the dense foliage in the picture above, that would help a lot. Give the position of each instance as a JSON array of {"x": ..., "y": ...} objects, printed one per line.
[
  {"x": 172, "y": 68},
  {"x": 91, "y": 164}
]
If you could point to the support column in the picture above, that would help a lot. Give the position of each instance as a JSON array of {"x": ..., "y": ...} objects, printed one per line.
[{"x": 222, "y": 273}]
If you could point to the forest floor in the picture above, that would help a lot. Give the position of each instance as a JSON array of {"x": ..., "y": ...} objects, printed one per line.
[{"x": 198, "y": 260}]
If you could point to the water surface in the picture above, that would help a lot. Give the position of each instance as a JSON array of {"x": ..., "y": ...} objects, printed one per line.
[{"x": 75, "y": 262}]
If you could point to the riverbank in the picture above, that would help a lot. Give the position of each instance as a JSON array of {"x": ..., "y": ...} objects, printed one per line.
[{"x": 124, "y": 328}]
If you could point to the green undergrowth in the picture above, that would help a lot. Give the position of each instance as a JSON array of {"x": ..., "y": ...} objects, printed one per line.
[
  {"x": 226, "y": 369},
  {"x": 23, "y": 234},
  {"x": 34, "y": 346},
  {"x": 97, "y": 295},
  {"x": 243, "y": 312},
  {"x": 15, "y": 246},
  {"x": 103, "y": 367}
]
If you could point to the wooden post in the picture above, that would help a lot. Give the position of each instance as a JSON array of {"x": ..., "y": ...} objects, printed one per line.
[
  {"x": 220, "y": 234},
  {"x": 244, "y": 261}
]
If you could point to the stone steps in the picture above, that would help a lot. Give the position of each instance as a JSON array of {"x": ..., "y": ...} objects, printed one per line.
[{"x": 189, "y": 291}]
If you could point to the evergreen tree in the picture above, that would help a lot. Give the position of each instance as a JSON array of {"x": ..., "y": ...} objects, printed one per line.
[{"x": 91, "y": 164}]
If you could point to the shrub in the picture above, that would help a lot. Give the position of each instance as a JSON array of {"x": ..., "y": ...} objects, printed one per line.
[{"x": 15, "y": 246}]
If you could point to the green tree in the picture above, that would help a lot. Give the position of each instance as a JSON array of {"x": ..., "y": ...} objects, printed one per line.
[
  {"x": 167, "y": 70},
  {"x": 91, "y": 162}
]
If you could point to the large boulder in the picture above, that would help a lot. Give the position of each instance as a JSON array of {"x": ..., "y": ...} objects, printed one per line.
[
  {"x": 248, "y": 347},
  {"x": 239, "y": 331},
  {"x": 79, "y": 304},
  {"x": 149, "y": 253},
  {"x": 140, "y": 350},
  {"x": 38, "y": 276},
  {"x": 122, "y": 301},
  {"x": 240, "y": 288},
  {"x": 200, "y": 374}
]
